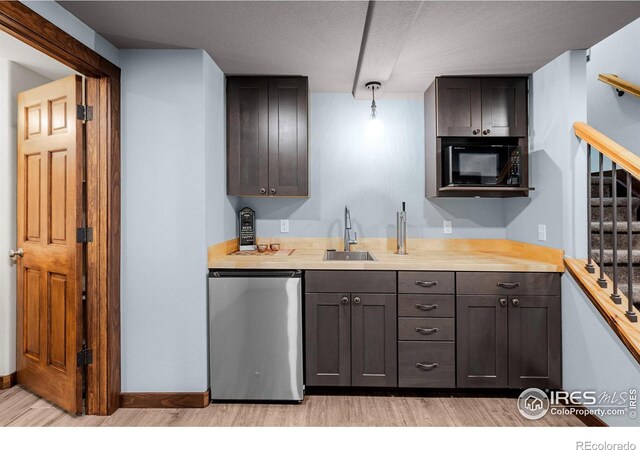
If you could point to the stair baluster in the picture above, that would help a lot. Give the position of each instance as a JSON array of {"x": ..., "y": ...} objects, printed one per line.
[
  {"x": 615, "y": 296},
  {"x": 589, "y": 265},
  {"x": 602, "y": 282},
  {"x": 631, "y": 315}
]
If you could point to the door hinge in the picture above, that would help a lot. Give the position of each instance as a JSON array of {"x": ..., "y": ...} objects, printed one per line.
[
  {"x": 84, "y": 235},
  {"x": 85, "y": 113},
  {"x": 85, "y": 357}
]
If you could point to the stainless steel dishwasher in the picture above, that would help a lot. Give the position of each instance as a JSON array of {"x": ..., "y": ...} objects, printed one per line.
[{"x": 255, "y": 333}]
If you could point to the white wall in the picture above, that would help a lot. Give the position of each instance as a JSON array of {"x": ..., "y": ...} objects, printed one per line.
[
  {"x": 13, "y": 79},
  {"x": 69, "y": 23},
  {"x": 617, "y": 117},
  {"x": 172, "y": 204},
  {"x": 373, "y": 176}
]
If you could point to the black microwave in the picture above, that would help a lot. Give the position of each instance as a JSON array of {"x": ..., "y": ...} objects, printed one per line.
[{"x": 481, "y": 165}]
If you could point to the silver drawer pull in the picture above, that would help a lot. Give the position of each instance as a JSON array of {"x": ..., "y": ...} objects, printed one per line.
[
  {"x": 426, "y": 283},
  {"x": 426, "y": 366},
  {"x": 426, "y": 330},
  {"x": 426, "y": 307},
  {"x": 508, "y": 285}
]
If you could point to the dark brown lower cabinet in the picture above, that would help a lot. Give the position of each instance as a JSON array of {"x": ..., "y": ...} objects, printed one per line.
[
  {"x": 482, "y": 352},
  {"x": 535, "y": 342},
  {"x": 351, "y": 340},
  {"x": 509, "y": 341}
]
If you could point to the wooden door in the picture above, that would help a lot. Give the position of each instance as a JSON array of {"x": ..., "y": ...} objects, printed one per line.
[
  {"x": 459, "y": 106},
  {"x": 535, "y": 342},
  {"x": 247, "y": 136},
  {"x": 49, "y": 210},
  {"x": 374, "y": 358},
  {"x": 288, "y": 136},
  {"x": 481, "y": 322},
  {"x": 504, "y": 107},
  {"x": 328, "y": 339}
]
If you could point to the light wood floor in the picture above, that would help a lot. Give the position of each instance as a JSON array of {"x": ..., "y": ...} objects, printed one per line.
[{"x": 21, "y": 408}]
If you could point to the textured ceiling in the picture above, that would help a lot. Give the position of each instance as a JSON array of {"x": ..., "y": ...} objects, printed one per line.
[
  {"x": 339, "y": 46},
  {"x": 34, "y": 60}
]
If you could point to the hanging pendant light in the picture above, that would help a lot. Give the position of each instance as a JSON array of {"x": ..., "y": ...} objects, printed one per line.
[{"x": 374, "y": 126}]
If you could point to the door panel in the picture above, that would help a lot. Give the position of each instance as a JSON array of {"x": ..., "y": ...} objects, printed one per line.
[
  {"x": 535, "y": 342},
  {"x": 49, "y": 210},
  {"x": 288, "y": 136},
  {"x": 504, "y": 107},
  {"x": 374, "y": 337},
  {"x": 482, "y": 341},
  {"x": 459, "y": 109},
  {"x": 328, "y": 339},
  {"x": 247, "y": 135}
]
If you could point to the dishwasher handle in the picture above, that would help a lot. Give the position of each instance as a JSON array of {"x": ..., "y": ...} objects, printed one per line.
[{"x": 255, "y": 273}]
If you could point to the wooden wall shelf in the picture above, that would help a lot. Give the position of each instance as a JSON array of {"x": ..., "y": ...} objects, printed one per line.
[{"x": 620, "y": 84}]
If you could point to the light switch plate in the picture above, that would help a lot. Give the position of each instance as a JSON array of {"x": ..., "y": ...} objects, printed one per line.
[
  {"x": 284, "y": 226},
  {"x": 448, "y": 227},
  {"x": 542, "y": 232}
]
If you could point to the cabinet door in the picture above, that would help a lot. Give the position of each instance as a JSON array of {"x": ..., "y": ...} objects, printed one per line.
[
  {"x": 247, "y": 135},
  {"x": 373, "y": 340},
  {"x": 504, "y": 107},
  {"x": 459, "y": 109},
  {"x": 482, "y": 341},
  {"x": 288, "y": 136},
  {"x": 535, "y": 345},
  {"x": 328, "y": 339}
]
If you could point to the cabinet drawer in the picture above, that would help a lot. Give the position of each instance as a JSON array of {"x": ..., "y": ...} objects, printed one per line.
[
  {"x": 360, "y": 281},
  {"x": 427, "y": 329},
  {"x": 421, "y": 305},
  {"x": 426, "y": 282},
  {"x": 426, "y": 364},
  {"x": 508, "y": 283}
]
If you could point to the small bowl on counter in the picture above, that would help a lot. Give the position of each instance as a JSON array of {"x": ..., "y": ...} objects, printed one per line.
[
  {"x": 262, "y": 248},
  {"x": 275, "y": 247}
]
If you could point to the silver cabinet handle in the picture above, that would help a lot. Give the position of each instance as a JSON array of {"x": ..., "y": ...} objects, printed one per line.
[
  {"x": 476, "y": 131},
  {"x": 426, "y": 366},
  {"x": 426, "y": 307},
  {"x": 272, "y": 191},
  {"x": 356, "y": 300},
  {"x": 263, "y": 191},
  {"x": 426, "y": 330},
  {"x": 487, "y": 131},
  {"x": 344, "y": 300},
  {"x": 508, "y": 285},
  {"x": 13, "y": 254},
  {"x": 503, "y": 301},
  {"x": 515, "y": 302},
  {"x": 426, "y": 283}
]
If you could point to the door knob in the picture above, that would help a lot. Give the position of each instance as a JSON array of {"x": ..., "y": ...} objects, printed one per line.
[
  {"x": 477, "y": 131},
  {"x": 356, "y": 300},
  {"x": 13, "y": 254},
  {"x": 263, "y": 191},
  {"x": 515, "y": 302},
  {"x": 487, "y": 131},
  {"x": 503, "y": 301},
  {"x": 272, "y": 191},
  {"x": 344, "y": 300}
]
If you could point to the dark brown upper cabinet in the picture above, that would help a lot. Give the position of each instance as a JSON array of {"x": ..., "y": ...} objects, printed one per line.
[
  {"x": 481, "y": 107},
  {"x": 267, "y": 149}
]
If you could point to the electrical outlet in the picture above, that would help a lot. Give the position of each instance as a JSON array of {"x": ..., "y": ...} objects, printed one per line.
[
  {"x": 448, "y": 227},
  {"x": 542, "y": 232},
  {"x": 284, "y": 226}
]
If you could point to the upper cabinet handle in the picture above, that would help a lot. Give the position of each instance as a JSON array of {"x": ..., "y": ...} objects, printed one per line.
[
  {"x": 508, "y": 285},
  {"x": 426, "y": 283},
  {"x": 476, "y": 131},
  {"x": 263, "y": 191},
  {"x": 487, "y": 131},
  {"x": 272, "y": 191}
]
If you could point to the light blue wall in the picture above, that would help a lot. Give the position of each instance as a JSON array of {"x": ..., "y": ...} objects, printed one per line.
[
  {"x": 373, "y": 176},
  {"x": 66, "y": 21},
  {"x": 172, "y": 146}
]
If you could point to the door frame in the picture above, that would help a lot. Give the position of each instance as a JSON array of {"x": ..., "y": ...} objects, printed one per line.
[{"x": 102, "y": 307}]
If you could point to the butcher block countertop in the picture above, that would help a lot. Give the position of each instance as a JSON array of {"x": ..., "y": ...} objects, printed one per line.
[{"x": 495, "y": 255}]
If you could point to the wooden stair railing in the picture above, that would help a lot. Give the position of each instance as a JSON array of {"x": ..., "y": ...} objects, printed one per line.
[
  {"x": 620, "y": 84},
  {"x": 630, "y": 164}
]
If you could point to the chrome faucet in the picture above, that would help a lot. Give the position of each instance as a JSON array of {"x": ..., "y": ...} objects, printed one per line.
[{"x": 347, "y": 230}]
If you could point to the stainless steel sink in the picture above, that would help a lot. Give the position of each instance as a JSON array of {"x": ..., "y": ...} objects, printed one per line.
[{"x": 332, "y": 255}]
